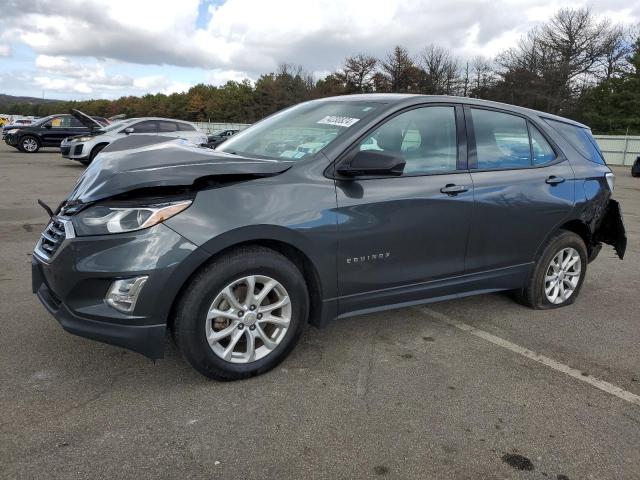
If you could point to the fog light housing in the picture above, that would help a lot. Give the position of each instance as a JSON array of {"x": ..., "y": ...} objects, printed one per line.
[{"x": 123, "y": 294}]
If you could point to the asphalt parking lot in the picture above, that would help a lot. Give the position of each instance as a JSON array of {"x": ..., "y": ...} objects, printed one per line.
[{"x": 412, "y": 393}]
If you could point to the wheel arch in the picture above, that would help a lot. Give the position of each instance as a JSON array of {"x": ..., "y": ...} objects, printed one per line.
[
  {"x": 576, "y": 226},
  {"x": 318, "y": 315},
  {"x": 98, "y": 145},
  {"x": 33, "y": 135}
]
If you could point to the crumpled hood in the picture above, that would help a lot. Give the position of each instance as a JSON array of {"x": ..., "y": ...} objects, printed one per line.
[{"x": 143, "y": 161}]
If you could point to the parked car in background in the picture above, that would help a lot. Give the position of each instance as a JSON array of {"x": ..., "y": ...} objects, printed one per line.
[
  {"x": 16, "y": 124},
  {"x": 236, "y": 249},
  {"x": 216, "y": 138},
  {"x": 84, "y": 148},
  {"x": 49, "y": 132}
]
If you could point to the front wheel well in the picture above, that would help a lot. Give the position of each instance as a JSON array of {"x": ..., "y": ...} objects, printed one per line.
[{"x": 299, "y": 259}]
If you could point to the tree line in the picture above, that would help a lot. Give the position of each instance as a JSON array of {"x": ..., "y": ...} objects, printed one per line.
[{"x": 575, "y": 65}]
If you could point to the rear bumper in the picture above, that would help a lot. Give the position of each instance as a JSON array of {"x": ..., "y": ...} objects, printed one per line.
[
  {"x": 145, "y": 339},
  {"x": 611, "y": 230}
]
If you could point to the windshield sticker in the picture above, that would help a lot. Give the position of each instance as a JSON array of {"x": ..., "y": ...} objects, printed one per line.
[{"x": 338, "y": 121}]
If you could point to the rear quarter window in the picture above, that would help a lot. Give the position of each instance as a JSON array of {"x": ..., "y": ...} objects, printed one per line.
[{"x": 580, "y": 138}]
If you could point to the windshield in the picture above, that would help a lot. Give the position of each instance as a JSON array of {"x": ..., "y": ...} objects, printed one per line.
[{"x": 300, "y": 131}]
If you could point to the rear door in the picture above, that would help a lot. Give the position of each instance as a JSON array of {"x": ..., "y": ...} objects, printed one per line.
[
  {"x": 399, "y": 235},
  {"x": 145, "y": 127},
  {"x": 168, "y": 128},
  {"x": 523, "y": 187}
]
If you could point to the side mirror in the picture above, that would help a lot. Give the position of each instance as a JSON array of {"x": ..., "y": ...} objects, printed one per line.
[
  {"x": 373, "y": 162},
  {"x": 129, "y": 130},
  {"x": 47, "y": 126}
]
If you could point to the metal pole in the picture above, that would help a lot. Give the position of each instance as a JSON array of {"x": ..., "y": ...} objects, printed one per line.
[{"x": 626, "y": 147}]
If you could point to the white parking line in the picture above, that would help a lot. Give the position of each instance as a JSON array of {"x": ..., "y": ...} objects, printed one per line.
[{"x": 549, "y": 362}]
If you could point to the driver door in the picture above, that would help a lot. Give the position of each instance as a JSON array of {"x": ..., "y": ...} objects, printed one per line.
[{"x": 400, "y": 237}]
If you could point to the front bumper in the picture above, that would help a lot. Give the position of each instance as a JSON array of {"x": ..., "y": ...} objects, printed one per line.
[
  {"x": 145, "y": 339},
  {"x": 73, "y": 150},
  {"x": 73, "y": 282},
  {"x": 11, "y": 139}
]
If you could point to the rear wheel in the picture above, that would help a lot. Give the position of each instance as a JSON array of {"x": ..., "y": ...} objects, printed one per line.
[
  {"x": 29, "y": 144},
  {"x": 558, "y": 274},
  {"x": 242, "y": 314}
]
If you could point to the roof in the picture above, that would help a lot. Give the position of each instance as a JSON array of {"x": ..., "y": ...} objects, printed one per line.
[
  {"x": 155, "y": 118},
  {"x": 410, "y": 99}
]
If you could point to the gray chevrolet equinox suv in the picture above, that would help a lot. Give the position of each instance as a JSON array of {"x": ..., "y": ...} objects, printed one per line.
[{"x": 329, "y": 209}]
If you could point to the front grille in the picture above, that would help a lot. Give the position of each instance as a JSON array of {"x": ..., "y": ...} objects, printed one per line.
[
  {"x": 65, "y": 150},
  {"x": 52, "y": 237}
]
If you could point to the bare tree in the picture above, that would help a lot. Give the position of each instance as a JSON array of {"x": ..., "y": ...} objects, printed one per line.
[
  {"x": 562, "y": 58},
  {"x": 440, "y": 69},
  {"x": 618, "y": 45},
  {"x": 400, "y": 71},
  {"x": 483, "y": 75},
  {"x": 357, "y": 72}
]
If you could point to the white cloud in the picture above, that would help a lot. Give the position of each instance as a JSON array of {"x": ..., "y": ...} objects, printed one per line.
[
  {"x": 220, "y": 77},
  {"x": 245, "y": 38},
  {"x": 160, "y": 84},
  {"x": 61, "y": 85},
  {"x": 255, "y": 35}
]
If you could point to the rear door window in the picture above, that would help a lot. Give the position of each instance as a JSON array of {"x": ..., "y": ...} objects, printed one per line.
[
  {"x": 167, "y": 127},
  {"x": 580, "y": 138},
  {"x": 148, "y": 126},
  {"x": 185, "y": 127},
  {"x": 502, "y": 140}
]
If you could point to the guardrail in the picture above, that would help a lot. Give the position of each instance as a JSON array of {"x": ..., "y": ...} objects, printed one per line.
[{"x": 619, "y": 149}]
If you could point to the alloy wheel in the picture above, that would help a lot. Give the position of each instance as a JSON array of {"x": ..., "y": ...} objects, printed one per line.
[
  {"x": 29, "y": 144},
  {"x": 562, "y": 275},
  {"x": 248, "y": 319}
]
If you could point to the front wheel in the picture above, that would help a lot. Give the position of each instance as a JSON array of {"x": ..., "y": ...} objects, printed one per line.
[
  {"x": 29, "y": 144},
  {"x": 242, "y": 314},
  {"x": 558, "y": 274}
]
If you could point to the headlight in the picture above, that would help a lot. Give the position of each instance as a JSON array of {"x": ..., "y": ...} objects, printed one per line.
[
  {"x": 13, "y": 130},
  {"x": 105, "y": 219},
  {"x": 82, "y": 139}
]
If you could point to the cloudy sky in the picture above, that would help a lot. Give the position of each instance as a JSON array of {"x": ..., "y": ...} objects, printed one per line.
[{"x": 105, "y": 49}]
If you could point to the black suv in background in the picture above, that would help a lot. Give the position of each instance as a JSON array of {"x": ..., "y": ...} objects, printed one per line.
[
  {"x": 383, "y": 201},
  {"x": 217, "y": 138},
  {"x": 48, "y": 132}
]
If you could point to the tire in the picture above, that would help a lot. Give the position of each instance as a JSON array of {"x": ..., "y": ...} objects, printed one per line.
[
  {"x": 95, "y": 151},
  {"x": 191, "y": 327},
  {"x": 563, "y": 245},
  {"x": 29, "y": 144}
]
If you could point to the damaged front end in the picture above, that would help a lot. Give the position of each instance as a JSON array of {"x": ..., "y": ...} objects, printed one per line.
[
  {"x": 106, "y": 251},
  {"x": 155, "y": 165}
]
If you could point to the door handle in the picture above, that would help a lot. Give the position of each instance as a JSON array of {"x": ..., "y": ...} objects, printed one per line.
[
  {"x": 553, "y": 180},
  {"x": 453, "y": 189}
]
